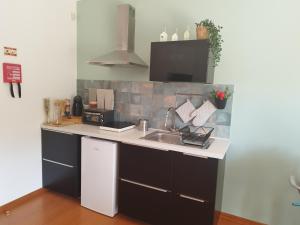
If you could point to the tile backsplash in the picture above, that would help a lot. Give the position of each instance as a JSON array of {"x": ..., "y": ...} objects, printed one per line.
[{"x": 136, "y": 100}]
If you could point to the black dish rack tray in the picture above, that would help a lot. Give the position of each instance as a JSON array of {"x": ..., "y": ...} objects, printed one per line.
[{"x": 196, "y": 135}]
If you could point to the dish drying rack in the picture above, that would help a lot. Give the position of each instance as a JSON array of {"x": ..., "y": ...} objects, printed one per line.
[{"x": 197, "y": 135}]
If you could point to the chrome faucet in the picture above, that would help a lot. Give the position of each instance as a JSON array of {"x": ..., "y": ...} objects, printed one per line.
[{"x": 173, "y": 127}]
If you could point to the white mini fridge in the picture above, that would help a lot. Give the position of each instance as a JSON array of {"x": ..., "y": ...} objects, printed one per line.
[{"x": 99, "y": 175}]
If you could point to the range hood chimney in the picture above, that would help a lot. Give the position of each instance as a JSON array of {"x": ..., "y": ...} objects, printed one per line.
[{"x": 124, "y": 54}]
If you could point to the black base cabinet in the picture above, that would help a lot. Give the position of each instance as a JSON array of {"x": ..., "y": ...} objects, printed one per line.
[
  {"x": 60, "y": 178},
  {"x": 191, "y": 211},
  {"x": 169, "y": 189},
  {"x": 144, "y": 203},
  {"x": 61, "y": 162},
  {"x": 195, "y": 176}
]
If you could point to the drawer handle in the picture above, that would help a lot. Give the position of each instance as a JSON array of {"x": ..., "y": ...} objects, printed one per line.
[
  {"x": 58, "y": 163},
  {"x": 191, "y": 198},
  {"x": 146, "y": 186}
]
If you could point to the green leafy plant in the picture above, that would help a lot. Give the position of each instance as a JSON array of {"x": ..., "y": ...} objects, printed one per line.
[
  {"x": 215, "y": 38},
  {"x": 222, "y": 95}
]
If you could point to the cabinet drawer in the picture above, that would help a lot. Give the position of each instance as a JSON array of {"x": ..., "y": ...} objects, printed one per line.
[
  {"x": 61, "y": 147},
  {"x": 144, "y": 165},
  {"x": 144, "y": 203},
  {"x": 194, "y": 176},
  {"x": 61, "y": 178},
  {"x": 192, "y": 211}
]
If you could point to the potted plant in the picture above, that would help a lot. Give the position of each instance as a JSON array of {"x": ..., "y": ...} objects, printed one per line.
[
  {"x": 206, "y": 29},
  {"x": 220, "y": 97}
]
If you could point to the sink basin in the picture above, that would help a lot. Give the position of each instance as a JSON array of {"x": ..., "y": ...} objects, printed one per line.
[
  {"x": 164, "y": 137},
  {"x": 173, "y": 138}
]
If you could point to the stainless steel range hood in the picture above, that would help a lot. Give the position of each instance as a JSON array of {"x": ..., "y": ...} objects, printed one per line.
[{"x": 124, "y": 55}]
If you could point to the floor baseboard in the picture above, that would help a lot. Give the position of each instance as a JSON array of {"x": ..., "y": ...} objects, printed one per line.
[
  {"x": 7, "y": 207},
  {"x": 237, "y": 220}
]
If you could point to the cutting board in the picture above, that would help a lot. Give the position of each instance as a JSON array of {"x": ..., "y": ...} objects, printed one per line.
[{"x": 66, "y": 121}]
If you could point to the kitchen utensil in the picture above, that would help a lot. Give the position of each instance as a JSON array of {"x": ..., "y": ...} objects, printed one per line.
[
  {"x": 196, "y": 135},
  {"x": 57, "y": 112},
  {"x": 67, "y": 111},
  {"x": 65, "y": 121},
  {"x": 77, "y": 106},
  {"x": 47, "y": 109},
  {"x": 143, "y": 125}
]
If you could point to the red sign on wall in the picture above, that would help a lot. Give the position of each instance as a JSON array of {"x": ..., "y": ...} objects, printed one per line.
[{"x": 12, "y": 73}]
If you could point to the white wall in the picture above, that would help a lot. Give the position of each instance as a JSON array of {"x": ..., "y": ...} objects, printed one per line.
[{"x": 45, "y": 37}]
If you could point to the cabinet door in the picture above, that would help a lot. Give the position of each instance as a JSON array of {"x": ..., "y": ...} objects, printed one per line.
[
  {"x": 61, "y": 178},
  {"x": 146, "y": 203},
  {"x": 191, "y": 211},
  {"x": 61, "y": 147},
  {"x": 145, "y": 165},
  {"x": 195, "y": 176}
]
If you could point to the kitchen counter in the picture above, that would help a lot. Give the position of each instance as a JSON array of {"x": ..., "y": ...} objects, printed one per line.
[{"x": 216, "y": 150}]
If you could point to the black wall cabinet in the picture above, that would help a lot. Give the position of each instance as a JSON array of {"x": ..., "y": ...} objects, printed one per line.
[
  {"x": 61, "y": 162},
  {"x": 166, "y": 187},
  {"x": 181, "y": 61}
]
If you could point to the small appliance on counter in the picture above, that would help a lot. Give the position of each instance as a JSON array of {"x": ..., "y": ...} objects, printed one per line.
[
  {"x": 105, "y": 120},
  {"x": 97, "y": 117},
  {"x": 77, "y": 108}
]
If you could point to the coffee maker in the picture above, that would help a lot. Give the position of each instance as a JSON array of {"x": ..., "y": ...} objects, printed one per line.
[{"x": 77, "y": 108}]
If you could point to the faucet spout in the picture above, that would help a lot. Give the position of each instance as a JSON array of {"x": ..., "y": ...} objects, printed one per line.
[{"x": 172, "y": 128}]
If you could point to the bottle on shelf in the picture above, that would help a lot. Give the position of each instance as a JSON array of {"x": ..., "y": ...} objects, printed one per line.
[
  {"x": 175, "y": 36},
  {"x": 164, "y": 36},
  {"x": 186, "y": 35}
]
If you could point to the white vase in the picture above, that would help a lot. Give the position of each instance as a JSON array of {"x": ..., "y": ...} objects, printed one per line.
[
  {"x": 164, "y": 36},
  {"x": 175, "y": 36},
  {"x": 186, "y": 35}
]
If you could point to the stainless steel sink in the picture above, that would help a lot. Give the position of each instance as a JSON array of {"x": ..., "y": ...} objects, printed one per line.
[
  {"x": 164, "y": 137},
  {"x": 172, "y": 138}
]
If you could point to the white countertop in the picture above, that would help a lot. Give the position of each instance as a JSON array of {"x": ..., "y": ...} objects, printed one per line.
[{"x": 216, "y": 150}]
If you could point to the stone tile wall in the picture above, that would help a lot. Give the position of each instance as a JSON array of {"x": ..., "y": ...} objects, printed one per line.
[{"x": 150, "y": 100}]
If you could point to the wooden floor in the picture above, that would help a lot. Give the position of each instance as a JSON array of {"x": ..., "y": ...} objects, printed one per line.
[{"x": 47, "y": 208}]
